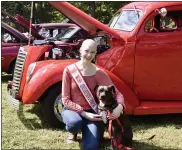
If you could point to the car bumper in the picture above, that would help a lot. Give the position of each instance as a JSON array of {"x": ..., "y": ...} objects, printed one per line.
[{"x": 15, "y": 103}]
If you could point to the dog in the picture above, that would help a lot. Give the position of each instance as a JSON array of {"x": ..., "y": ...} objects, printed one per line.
[{"x": 121, "y": 132}]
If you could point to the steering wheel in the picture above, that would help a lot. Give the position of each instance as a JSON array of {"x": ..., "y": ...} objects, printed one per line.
[{"x": 153, "y": 29}]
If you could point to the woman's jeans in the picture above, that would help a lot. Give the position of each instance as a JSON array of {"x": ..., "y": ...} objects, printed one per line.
[{"x": 91, "y": 130}]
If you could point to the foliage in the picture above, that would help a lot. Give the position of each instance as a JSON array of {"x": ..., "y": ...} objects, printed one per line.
[{"x": 43, "y": 12}]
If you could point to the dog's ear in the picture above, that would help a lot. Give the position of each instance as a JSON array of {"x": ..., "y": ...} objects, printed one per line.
[
  {"x": 96, "y": 87},
  {"x": 113, "y": 88}
]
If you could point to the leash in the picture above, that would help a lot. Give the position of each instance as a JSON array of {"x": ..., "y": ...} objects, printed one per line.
[
  {"x": 119, "y": 146},
  {"x": 110, "y": 132}
]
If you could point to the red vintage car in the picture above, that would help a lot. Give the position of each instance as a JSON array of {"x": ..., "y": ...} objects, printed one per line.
[{"x": 142, "y": 56}]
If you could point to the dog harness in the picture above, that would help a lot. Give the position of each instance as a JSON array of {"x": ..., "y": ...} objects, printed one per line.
[{"x": 83, "y": 86}]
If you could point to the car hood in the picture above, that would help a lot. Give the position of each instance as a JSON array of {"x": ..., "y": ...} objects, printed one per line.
[
  {"x": 13, "y": 31},
  {"x": 88, "y": 23},
  {"x": 24, "y": 23}
]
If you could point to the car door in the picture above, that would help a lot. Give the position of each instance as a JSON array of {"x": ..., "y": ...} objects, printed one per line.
[{"x": 158, "y": 62}]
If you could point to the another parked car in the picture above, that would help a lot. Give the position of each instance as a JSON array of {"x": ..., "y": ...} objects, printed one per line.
[
  {"x": 12, "y": 39},
  {"x": 67, "y": 36},
  {"x": 21, "y": 24},
  {"x": 46, "y": 30},
  {"x": 51, "y": 30},
  {"x": 143, "y": 61}
]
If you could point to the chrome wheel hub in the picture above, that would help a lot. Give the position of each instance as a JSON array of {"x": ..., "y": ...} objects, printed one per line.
[{"x": 58, "y": 107}]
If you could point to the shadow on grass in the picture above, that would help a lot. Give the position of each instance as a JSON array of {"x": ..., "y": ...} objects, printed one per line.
[
  {"x": 138, "y": 145},
  {"x": 34, "y": 123},
  {"x": 145, "y": 146},
  {"x": 146, "y": 121},
  {"x": 6, "y": 77},
  {"x": 151, "y": 121},
  {"x": 141, "y": 123}
]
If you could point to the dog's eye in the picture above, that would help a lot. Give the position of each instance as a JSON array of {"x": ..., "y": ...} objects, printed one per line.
[{"x": 101, "y": 90}]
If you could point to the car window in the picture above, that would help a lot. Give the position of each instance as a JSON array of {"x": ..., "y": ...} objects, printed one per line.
[
  {"x": 80, "y": 35},
  {"x": 148, "y": 25},
  {"x": 63, "y": 32},
  {"x": 44, "y": 32},
  {"x": 167, "y": 23},
  {"x": 126, "y": 20},
  {"x": 55, "y": 32},
  {"x": 7, "y": 37},
  {"x": 67, "y": 34}
]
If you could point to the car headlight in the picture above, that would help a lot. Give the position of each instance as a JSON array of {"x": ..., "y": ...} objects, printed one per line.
[{"x": 30, "y": 70}]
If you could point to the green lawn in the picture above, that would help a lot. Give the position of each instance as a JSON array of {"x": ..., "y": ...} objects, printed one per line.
[{"x": 27, "y": 129}]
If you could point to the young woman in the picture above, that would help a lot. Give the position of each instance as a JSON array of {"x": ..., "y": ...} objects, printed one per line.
[{"x": 78, "y": 114}]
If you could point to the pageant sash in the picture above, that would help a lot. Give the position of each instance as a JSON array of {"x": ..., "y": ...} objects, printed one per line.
[{"x": 83, "y": 87}]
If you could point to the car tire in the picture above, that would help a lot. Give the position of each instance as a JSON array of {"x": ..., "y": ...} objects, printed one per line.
[
  {"x": 52, "y": 106},
  {"x": 12, "y": 67}
]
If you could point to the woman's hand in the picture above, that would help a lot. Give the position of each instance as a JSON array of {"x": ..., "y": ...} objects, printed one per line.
[
  {"x": 116, "y": 112},
  {"x": 91, "y": 116}
]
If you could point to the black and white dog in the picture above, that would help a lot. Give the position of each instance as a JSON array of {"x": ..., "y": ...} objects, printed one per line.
[{"x": 121, "y": 129}]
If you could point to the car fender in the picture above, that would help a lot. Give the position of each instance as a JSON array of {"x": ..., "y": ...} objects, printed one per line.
[
  {"x": 6, "y": 62},
  {"x": 46, "y": 73},
  {"x": 130, "y": 99},
  {"x": 8, "y": 55}
]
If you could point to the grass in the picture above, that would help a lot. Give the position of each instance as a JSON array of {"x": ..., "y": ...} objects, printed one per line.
[{"x": 27, "y": 129}]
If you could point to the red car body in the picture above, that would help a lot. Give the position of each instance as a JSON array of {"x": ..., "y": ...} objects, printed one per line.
[{"x": 143, "y": 61}]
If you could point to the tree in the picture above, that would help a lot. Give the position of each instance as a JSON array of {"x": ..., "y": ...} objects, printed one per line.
[{"x": 44, "y": 12}]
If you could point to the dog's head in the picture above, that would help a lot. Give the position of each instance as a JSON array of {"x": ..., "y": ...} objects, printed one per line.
[{"x": 105, "y": 95}]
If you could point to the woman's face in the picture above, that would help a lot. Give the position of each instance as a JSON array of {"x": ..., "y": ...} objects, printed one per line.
[{"x": 87, "y": 53}]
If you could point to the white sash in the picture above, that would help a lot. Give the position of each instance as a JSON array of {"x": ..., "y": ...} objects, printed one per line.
[{"x": 83, "y": 87}]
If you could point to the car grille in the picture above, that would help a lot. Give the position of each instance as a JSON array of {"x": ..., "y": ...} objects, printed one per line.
[{"x": 22, "y": 54}]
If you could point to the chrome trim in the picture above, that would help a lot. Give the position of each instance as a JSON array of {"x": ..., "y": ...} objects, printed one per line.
[
  {"x": 10, "y": 94},
  {"x": 22, "y": 54},
  {"x": 58, "y": 108}
]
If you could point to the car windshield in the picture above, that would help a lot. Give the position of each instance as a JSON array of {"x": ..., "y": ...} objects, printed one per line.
[
  {"x": 43, "y": 32},
  {"x": 126, "y": 20},
  {"x": 67, "y": 35}
]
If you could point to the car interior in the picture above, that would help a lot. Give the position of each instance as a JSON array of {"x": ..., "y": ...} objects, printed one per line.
[{"x": 170, "y": 23}]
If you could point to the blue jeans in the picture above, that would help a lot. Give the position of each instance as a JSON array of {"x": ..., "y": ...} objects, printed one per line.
[{"x": 91, "y": 130}]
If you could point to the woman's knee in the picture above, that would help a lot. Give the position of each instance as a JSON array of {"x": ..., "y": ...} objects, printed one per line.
[
  {"x": 72, "y": 120},
  {"x": 74, "y": 126}
]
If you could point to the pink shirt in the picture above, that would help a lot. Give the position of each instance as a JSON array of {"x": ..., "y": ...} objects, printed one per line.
[{"x": 72, "y": 97}]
